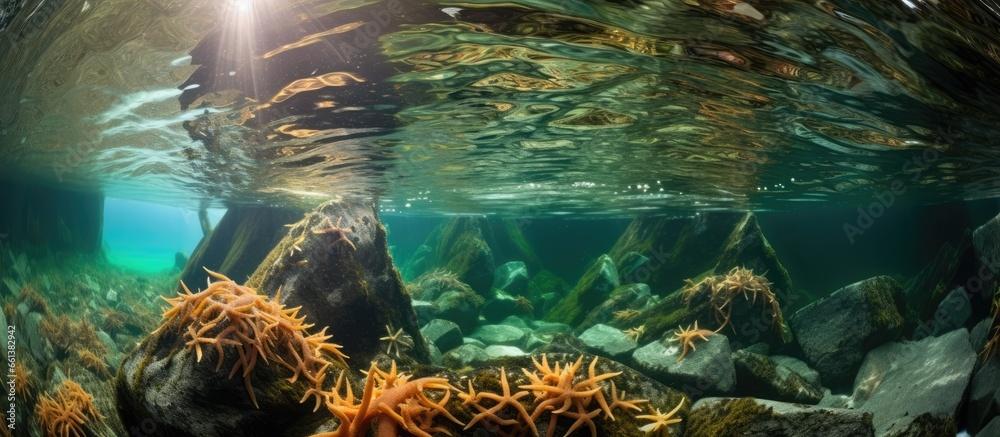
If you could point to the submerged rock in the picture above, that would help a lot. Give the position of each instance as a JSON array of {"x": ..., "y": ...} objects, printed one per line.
[
  {"x": 798, "y": 366},
  {"x": 511, "y": 277},
  {"x": 238, "y": 244},
  {"x": 444, "y": 334},
  {"x": 499, "y": 351},
  {"x": 607, "y": 341},
  {"x": 593, "y": 288},
  {"x": 711, "y": 417},
  {"x": 503, "y": 305},
  {"x": 621, "y": 306},
  {"x": 760, "y": 376},
  {"x": 464, "y": 356},
  {"x": 835, "y": 332},
  {"x": 449, "y": 297},
  {"x": 632, "y": 266},
  {"x": 172, "y": 395},
  {"x": 500, "y": 334},
  {"x": 915, "y": 387},
  {"x": 459, "y": 246},
  {"x": 335, "y": 264},
  {"x": 707, "y": 370},
  {"x": 984, "y": 395}
]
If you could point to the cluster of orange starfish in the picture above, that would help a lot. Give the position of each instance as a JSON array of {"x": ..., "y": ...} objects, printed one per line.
[
  {"x": 687, "y": 337},
  {"x": 994, "y": 341},
  {"x": 558, "y": 392},
  {"x": 722, "y": 289},
  {"x": 23, "y": 380},
  {"x": 391, "y": 401},
  {"x": 259, "y": 328},
  {"x": 68, "y": 412}
]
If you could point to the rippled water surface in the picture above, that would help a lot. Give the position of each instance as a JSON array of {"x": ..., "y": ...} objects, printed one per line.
[{"x": 521, "y": 107}]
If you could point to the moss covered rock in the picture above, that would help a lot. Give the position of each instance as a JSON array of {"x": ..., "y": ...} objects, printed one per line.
[
  {"x": 162, "y": 390},
  {"x": 759, "y": 376},
  {"x": 593, "y": 288},
  {"x": 458, "y": 246},
  {"x": 835, "y": 332},
  {"x": 723, "y": 417},
  {"x": 335, "y": 264},
  {"x": 621, "y": 307}
]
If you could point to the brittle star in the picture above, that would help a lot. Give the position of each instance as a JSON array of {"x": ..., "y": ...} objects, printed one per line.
[{"x": 327, "y": 227}]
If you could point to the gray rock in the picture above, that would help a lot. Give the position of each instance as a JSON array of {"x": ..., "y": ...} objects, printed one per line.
[
  {"x": 511, "y": 277},
  {"x": 113, "y": 357},
  {"x": 983, "y": 395},
  {"x": 952, "y": 313},
  {"x": 425, "y": 311},
  {"x": 801, "y": 367},
  {"x": 543, "y": 327},
  {"x": 835, "y": 332},
  {"x": 444, "y": 334},
  {"x": 980, "y": 334},
  {"x": 991, "y": 429},
  {"x": 516, "y": 322},
  {"x": 436, "y": 355},
  {"x": 626, "y": 297},
  {"x": 498, "y": 351},
  {"x": 465, "y": 355},
  {"x": 537, "y": 341},
  {"x": 759, "y": 376},
  {"x": 707, "y": 370},
  {"x": 915, "y": 385},
  {"x": 461, "y": 307},
  {"x": 986, "y": 243},
  {"x": 758, "y": 417},
  {"x": 503, "y": 305},
  {"x": 348, "y": 284},
  {"x": 38, "y": 344},
  {"x": 474, "y": 342},
  {"x": 500, "y": 334},
  {"x": 607, "y": 341}
]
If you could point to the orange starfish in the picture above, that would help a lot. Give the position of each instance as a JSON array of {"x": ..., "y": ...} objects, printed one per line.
[
  {"x": 660, "y": 421},
  {"x": 501, "y": 401},
  {"x": 390, "y": 400},
  {"x": 68, "y": 412},
  {"x": 688, "y": 336},
  {"x": 722, "y": 289},
  {"x": 327, "y": 227},
  {"x": 227, "y": 314}
]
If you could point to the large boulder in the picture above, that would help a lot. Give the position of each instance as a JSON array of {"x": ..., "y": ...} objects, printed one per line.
[
  {"x": 500, "y": 335},
  {"x": 707, "y": 370},
  {"x": 759, "y": 376},
  {"x": 164, "y": 391},
  {"x": 593, "y": 288},
  {"x": 712, "y": 417},
  {"x": 915, "y": 388},
  {"x": 239, "y": 242},
  {"x": 835, "y": 332},
  {"x": 335, "y": 264}
]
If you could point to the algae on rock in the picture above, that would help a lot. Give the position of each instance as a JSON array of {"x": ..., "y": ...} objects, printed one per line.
[{"x": 335, "y": 263}]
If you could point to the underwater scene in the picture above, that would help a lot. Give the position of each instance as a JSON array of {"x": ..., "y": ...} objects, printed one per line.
[{"x": 572, "y": 218}]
